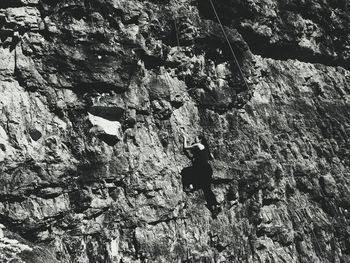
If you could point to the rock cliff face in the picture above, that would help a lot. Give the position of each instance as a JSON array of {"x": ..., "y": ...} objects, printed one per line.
[{"x": 96, "y": 94}]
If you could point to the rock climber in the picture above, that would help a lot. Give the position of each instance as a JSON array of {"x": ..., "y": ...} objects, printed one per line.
[{"x": 199, "y": 175}]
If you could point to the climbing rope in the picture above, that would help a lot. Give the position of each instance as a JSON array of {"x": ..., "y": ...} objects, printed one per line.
[
  {"x": 178, "y": 46},
  {"x": 176, "y": 32},
  {"x": 229, "y": 44}
]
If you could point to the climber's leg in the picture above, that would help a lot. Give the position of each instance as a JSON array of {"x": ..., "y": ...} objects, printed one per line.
[{"x": 187, "y": 177}]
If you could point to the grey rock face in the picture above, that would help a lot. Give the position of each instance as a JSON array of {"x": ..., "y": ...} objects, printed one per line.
[{"x": 95, "y": 97}]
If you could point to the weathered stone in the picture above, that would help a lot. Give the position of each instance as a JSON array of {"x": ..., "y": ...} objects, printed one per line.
[
  {"x": 35, "y": 134},
  {"x": 95, "y": 97},
  {"x": 109, "y": 131},
  {"x": 329, "y": 185},
  {"x": 7, "y": 63},
  {"x": 23, "y": 17}
]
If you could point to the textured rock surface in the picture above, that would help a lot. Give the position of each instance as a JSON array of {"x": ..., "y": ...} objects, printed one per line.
[{"x": 95, "y": 96}]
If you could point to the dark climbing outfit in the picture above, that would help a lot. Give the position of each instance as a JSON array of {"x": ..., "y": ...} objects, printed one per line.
[{"x": 200, "y": 174}]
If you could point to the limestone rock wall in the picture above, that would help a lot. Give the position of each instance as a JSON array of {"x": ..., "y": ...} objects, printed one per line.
[{"x": 95, "y": 96}]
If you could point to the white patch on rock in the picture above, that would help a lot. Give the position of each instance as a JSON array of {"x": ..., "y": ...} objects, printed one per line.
[
  {"x": 3, "y": 134},
  {"x": 1, "y": 231},
  {"x": 24, "y": 16},
  {"x": 114, "y": 248},
  {"x": 112, "y": 128},
  {"x": 262, "y": 95},
  {"x": 60, "y": 123},
  {"x": 5, "y": 147}
]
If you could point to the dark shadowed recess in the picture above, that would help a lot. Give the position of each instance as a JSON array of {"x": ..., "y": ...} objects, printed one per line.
[
  {"x": 150, "y": 61},
  {"x": 109, "y": 113},
  {"x": 100, "y": 87},
  {"x": 287, "y": 50},
  {"x": 211, "y": 45},
  {"x": 109, "y": 139},
  {"x": 26, "y": 229},
  {"x": 232, "y": 12},
  {"x": 228, "y": 11},
  {"x": 84, "y": 8},
  {"x": 164, "y": 2},
  {"x": 10, "y": 3}
]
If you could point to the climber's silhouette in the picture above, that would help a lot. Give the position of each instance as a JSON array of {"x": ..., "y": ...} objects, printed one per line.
[{"x": 199, "y": 175}]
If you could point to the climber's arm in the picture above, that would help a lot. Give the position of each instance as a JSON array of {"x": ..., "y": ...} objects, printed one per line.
[
  {"x": 186, "y": 146},
  {"x": 189, "y": 147}
]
